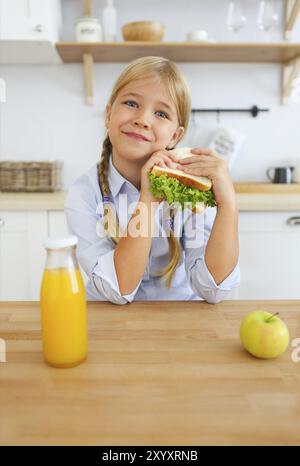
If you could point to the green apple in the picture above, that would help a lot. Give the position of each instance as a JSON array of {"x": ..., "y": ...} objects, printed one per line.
[{"x": 264, "y": 335}]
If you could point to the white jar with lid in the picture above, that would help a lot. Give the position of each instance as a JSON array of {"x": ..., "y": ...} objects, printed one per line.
[
  {"x": 198, "y": 35},
  {"x": 88, "y": 29}
]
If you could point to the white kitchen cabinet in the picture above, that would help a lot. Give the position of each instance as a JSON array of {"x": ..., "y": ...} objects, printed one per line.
[
  {"x": 29, "y": 30},
  {"x": 269, "y": 255},
  {"x": 57, "y": 224},
  {"x": 22, "y": 255},
  {"x": 30, "y": 19}
]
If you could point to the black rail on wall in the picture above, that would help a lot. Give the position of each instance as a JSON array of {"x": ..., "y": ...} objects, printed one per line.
[{"x": 253, "y": 110}]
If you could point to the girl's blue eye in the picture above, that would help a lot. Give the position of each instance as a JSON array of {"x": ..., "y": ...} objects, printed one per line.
[
  {"x": 163, "y": 114},
  {"x": 128, "y": 102}
]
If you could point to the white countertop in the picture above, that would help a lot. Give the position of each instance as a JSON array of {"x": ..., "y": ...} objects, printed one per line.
[{"x": 55, "y": 201}]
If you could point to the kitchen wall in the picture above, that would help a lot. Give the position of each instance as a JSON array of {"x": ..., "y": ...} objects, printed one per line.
[{"x": 45, "y": 115}]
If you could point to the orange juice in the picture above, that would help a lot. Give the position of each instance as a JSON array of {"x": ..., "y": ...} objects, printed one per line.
[{"x": 63, "y": 316}]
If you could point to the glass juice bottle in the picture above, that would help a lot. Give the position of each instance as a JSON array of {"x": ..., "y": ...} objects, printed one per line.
[{"x": 63, "y": 305}]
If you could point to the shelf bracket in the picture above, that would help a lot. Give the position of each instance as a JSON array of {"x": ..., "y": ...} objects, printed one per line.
[
  {"x": 88, "y": 61},
  {"x": 292, "y": 8},
  {"x": 88, "y": 77},
  {"x": 87, "y": 7},
  {"x": 291, "y": 71}
]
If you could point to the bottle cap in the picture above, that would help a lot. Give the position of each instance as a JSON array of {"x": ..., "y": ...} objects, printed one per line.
[{"x": 59, "y": 243}]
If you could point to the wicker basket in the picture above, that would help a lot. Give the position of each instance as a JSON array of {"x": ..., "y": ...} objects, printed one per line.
[{"x": 30, "y": 176}]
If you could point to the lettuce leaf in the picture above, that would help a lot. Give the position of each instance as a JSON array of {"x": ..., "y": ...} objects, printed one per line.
[{"x": 174, "y": 191}]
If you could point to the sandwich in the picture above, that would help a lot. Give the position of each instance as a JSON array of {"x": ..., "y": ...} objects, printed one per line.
[{"x": 176, "y": 186}]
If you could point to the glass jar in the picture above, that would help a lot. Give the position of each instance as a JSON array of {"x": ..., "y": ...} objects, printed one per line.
[
  {"x": 88, "y": 29},
  {"x": 63, "y": 305}
]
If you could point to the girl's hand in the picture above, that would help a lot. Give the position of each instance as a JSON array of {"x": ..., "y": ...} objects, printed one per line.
[
  {"x": 207, "y": 163},
  {"x": 161, "y": 159}
]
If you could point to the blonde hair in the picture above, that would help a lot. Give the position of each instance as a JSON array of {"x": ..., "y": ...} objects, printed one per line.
[{"x": 178, "y": 89}]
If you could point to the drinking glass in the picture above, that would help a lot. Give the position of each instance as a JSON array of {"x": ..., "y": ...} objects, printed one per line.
[
  {"x": 267, "y": 17},
  {"x": 236, "y": 17}
]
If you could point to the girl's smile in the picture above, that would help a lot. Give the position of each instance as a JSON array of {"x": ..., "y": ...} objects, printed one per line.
[{"x": 137, "y": 137}]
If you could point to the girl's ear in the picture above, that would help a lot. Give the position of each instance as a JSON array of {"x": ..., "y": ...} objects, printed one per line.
[
  {"x": 107, "y": 115},
  {"x": 176, "y": 137}
]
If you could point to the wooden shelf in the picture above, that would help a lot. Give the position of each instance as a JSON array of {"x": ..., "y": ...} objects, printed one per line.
[
  {"x": 193, "y": 52},
  {"x": 285, "y": 53}
]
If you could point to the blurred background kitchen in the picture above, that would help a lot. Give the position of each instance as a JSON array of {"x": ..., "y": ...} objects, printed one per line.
[{"x": 44, "y": 117}]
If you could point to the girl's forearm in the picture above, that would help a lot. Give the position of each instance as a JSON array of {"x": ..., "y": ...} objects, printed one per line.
[
  {"x": 132, "y": 252},
  {"x": 222, "y": 249}
]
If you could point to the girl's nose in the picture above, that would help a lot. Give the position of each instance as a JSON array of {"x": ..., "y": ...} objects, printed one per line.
[{"x": 142, "y": 122}]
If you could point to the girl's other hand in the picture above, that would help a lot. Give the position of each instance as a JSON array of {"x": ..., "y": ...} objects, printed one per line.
[
  {"x": 207, "y": 163},
  {"x": 162, "y": 159}
]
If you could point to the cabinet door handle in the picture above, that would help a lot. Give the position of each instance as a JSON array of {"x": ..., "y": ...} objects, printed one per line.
[
  {"x": 293, "y": 221},
  {"x": 2, "y": 222},
  {"x": 39, "y": 28}
]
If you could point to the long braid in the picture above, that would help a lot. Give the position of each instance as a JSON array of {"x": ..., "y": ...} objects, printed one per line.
[
  {"x": 103, "y": 166},
  {"x": 175, "y": 251},
  {"x": 111, "y": 224}
]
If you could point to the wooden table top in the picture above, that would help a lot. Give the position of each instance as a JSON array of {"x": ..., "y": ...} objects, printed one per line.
[{"x": 157, "y": 373}]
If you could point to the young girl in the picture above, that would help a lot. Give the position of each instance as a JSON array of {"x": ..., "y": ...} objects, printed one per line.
[{"x": 147, "y": 114}]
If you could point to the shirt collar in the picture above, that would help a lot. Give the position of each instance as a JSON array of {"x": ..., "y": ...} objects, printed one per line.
[{"x": 116, "y": 180}]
